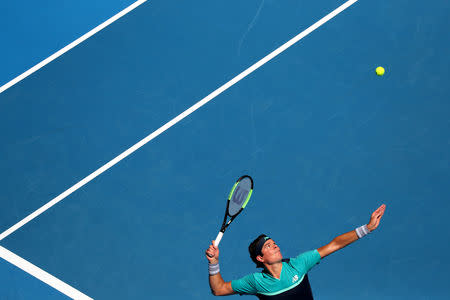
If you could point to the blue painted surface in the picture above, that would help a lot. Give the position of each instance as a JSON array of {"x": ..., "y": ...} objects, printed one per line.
[
  {"x": 325, "y": 139},
  {"x": 34, "y": 30},
  {"x": 18, "y": 285}
]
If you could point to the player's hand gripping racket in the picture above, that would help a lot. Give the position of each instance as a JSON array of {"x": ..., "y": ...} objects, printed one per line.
[{"x": 237, "y": 200}]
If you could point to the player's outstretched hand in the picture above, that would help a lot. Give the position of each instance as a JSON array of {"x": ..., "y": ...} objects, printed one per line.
[
  {"x": 376, "y": 217},
  {"x": 212, "y": 254}
]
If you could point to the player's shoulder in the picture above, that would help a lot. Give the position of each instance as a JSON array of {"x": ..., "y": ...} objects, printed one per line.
[
  {"x": 308, "y": 253},
  {"x": 251, "y": 277},
  {"x": 291, "y": 262},
  {"x": 306, "y": 256},
  {"x": 259, "y": 277}
]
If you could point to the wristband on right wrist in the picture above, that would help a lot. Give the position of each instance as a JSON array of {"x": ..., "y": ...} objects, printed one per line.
[{"x": 213, "y": 269}]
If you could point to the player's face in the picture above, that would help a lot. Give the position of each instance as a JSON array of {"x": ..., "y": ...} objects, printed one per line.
[{"x": 271, "y": 252}]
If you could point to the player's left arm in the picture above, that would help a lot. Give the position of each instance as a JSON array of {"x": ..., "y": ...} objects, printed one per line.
[{"x": 347, "y": 238}]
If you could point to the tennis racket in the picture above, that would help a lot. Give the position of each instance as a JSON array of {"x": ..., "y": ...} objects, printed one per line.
[{"x": 237, "y": 200}]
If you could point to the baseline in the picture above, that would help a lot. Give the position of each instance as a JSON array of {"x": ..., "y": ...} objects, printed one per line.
[{"x": 42, "y": 275}]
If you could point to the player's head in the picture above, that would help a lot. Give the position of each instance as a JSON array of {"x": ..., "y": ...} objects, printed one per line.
[{"x": 264, "y": 250}]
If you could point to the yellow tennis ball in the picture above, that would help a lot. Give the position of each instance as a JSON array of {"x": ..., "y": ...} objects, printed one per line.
[{"x": 379, "y": 71}]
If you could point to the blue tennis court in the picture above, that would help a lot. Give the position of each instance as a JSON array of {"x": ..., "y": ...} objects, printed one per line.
[{"x": 325, "y": 139}]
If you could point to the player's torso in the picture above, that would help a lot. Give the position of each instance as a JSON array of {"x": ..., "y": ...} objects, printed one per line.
[{"x": 291, "y": 285}]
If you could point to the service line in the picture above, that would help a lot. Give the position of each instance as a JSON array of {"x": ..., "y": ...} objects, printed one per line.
[{"x": 179, "y": 117}]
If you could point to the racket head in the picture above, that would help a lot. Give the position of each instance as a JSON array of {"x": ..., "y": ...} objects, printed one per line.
[{"x": 240, "y": 195}]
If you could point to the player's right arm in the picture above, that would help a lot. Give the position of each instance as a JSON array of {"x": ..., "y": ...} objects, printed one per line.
[{"x": 218, "y": 286}]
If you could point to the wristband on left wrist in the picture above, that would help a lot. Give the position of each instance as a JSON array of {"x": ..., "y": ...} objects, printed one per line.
[{"x": 362, "y": 231}]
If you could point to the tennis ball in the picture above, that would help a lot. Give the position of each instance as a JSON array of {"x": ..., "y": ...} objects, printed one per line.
[{"x": 379, "y": 71}]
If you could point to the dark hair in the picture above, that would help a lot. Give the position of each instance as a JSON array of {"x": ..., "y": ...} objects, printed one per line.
[{"x": 254, "y": 252}]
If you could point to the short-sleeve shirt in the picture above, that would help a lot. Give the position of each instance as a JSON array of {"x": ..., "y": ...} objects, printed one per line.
[{"x": 293, "y": 282}]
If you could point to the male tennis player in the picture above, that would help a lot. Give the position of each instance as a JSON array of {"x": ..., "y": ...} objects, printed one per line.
[{"x": 281, "y": 278}]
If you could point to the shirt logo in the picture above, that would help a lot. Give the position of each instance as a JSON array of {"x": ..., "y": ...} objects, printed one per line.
[{"x": 294, "y": 279}]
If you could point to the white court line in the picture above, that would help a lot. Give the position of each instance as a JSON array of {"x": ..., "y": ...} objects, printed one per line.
[
  {"x": 70, "y": 46},
  {"x": 41, "y": 275},
  {"x": 178, "y": 118}
]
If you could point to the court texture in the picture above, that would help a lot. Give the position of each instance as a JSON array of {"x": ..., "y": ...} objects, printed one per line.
[{"x": 124, "y": 125}]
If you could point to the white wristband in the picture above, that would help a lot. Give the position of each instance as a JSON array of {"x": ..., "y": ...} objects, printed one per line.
[
  {"x": 362, "y": 231},
  {"x": 213, "y": 269}
]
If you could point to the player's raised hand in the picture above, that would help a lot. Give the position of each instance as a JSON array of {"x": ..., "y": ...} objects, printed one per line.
[
  {"x": 376, "y": 217},
  {"x": 212, "y": 253}
]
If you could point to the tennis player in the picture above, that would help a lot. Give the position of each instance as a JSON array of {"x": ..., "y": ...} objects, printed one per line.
[{"x": 281, "y": 278}]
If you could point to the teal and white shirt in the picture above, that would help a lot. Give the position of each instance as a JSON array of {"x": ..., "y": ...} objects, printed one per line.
[{"x": 293, "y": 282}]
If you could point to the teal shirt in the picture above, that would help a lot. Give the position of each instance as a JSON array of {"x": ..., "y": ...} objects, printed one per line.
[{"x": 292, "y": 274}]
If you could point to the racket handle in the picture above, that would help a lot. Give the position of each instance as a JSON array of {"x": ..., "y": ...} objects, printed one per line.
[{"x": 218, "y": 238}]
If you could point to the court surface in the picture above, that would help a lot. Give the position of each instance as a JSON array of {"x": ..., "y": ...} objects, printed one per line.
[{"x": 325, "y": 140}]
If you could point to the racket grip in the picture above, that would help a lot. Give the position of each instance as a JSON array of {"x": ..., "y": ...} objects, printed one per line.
[{"x": 218, "y": 238}]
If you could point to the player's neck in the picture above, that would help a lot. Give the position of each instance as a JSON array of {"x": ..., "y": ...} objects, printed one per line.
[{"x": 275, "y": 269}]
